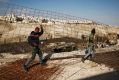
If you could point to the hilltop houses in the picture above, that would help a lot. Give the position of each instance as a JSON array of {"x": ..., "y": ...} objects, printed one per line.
[{"x": 13, "y": 18}]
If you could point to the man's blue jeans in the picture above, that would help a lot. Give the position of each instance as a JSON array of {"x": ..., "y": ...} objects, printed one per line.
[{"x": 89, "y": 52}]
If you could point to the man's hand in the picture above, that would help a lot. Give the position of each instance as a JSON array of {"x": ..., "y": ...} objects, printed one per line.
[
  {"x": 35, "y": 44},
  {"x": 35, "y": 36}
]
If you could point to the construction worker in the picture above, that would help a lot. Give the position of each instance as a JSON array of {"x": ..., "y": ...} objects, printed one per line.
[
  {"x": 34, "y": 41},
  {"x": 90, "y": 47}
]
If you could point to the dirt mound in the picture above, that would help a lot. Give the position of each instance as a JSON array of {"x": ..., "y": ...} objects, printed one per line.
[
  {"x": 15, "y": 48},
  {"x": 14, "y": 71},
  {"x": 23, "y": 47}
]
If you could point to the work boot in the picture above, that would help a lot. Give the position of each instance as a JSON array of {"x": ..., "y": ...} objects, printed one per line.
[
  {"x": 25, "y": 68},
  {"x": 42, "y": 63},
  {"x": 83, "y": 59}
]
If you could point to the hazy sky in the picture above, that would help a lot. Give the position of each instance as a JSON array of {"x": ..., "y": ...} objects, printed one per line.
[{"x": 105, "y": 11}]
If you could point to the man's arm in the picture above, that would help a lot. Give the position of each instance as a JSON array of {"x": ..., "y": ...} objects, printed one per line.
[
  {"x": 34, "y": 44},
  {"x": 40, "y": 33},
  {"x": 95, "y": 40},
  {"x": 33, "y": 35}
]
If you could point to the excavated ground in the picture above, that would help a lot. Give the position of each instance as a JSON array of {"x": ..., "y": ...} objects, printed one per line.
[
  {"x": 110, "y": 59},
  {"x": 14, "y": 71}
]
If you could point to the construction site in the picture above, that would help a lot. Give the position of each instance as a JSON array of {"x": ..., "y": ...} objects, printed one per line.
[{"x": 64, "y": 41}]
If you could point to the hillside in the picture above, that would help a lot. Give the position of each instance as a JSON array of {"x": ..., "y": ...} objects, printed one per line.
[{"x": 14, "y": 30}]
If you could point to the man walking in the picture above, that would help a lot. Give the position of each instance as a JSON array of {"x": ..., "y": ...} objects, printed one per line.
[
  {"x": 34, "y": 41},
  {"x": 90, "y": 47}
]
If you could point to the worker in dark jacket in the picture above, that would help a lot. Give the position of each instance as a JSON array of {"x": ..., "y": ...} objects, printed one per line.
[
  {"x": 90, "y": 50},
  {"x": 34, "y": 41}
]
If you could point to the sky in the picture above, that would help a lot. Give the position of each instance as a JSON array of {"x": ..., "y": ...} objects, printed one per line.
[{"x": 104, "y": 11}]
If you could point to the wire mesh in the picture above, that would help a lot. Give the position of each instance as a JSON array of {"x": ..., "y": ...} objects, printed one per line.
[
  {"x": 23, "y": 18},
  {"x": 16, "y": 23}
]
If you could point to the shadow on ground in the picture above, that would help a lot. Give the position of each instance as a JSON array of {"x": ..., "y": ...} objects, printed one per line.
[
  {"x": 110, "y": 59},
  {"x": 106, "y": 76}
]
